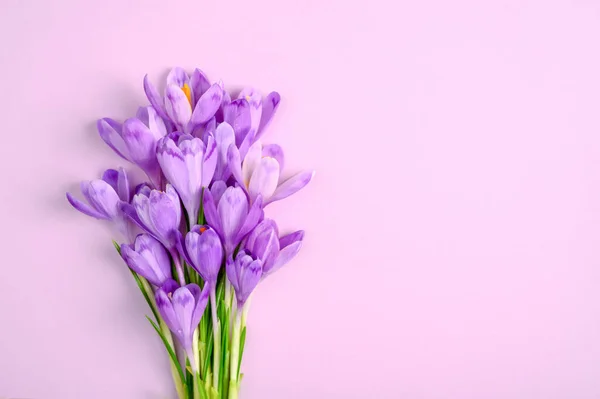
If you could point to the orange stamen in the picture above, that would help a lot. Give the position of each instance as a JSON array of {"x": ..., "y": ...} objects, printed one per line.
[{"x": 188, "y": 92}]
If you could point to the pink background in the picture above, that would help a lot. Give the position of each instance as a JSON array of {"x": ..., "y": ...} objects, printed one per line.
[{"x": 452, "y": 227}]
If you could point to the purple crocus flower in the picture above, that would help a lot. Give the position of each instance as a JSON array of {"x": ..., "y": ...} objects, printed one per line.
[
  {"x": 188, "y": 165},
  {"x": 188, "y": 101},
  {"x": 228, "y": 212},
  {"x": 135, "y": 140},
  {"x": 249, "y": 115},
  {"x": 202, "y": 249},
  {"x": 182, "y": 308},
  {"x": 158, "y": 213},
  {"x": 274, "y": 252},
  {"x": 104, "y": 197},
  {"x": 148, "y": 258},
  {"x": 244, "y": 273},
  {"x": 259, "y": 173}
]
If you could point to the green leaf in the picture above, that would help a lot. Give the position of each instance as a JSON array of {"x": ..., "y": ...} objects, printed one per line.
[
  {"x": 148, "y": 300},
  {"x": 117, "y": 246},
  {"x": 209, "y": 349},
  {"x": 242, "y": 343},
  {"x": 201, "y": 213},
  {"x": 172, "y": 355},
  {"x": 224, "y": 367}
]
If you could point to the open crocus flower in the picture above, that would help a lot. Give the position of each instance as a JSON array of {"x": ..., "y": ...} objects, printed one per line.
[
  {"x": 148, "y": 258},
  {"x": 228, "y": 212},
  {"x": 244, "y": 273},
  {"x": 104, "y": 197},
  {"x": 188, "y": 101},
  {"x": 189, "y": 165},
  {"x": 202, "y": 249},
  {"x": 274, "y": 252},
  {"x": 182, "y": 308},
  {"x": 259, "y": 173},
  {"x": 135, "y": 140},
  {"x": 158, "y": 213}
]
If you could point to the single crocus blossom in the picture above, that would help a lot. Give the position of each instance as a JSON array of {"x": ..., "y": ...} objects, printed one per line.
[
  {"x": 274, "y": 252},
  {"x": 148, "y": 258},
  {"x": 135, "y": 140},
  {"x": 189, "y": 165},
  {"x": 260, "y": 171},
  {"x": 202, "y": 249},
  {"x": 231, "y": 215},
  {"x": 182, "y": 307},
  {"x": 188, "y": 102},
  {"x": 104, "y": 197},
  {"x": 158, "y": 213},
  {"x": 244, "y": 273}
]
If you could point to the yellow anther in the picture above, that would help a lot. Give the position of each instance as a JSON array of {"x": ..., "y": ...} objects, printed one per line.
[{"x": 188, "y": 92}]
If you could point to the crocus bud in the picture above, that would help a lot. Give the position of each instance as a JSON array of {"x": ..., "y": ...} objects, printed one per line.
[
  {"x": 244, "y": 273},
  {"x": 148, "y": 258},
  {"x": 204, "y": 252}
]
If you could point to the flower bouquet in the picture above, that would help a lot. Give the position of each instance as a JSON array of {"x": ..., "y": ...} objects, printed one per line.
[{"x": 197, "y": 241}]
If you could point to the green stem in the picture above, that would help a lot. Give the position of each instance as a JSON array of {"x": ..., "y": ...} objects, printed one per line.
[
  {"x": 235, "y": 355},
  {"x": 216, "y": 324}
]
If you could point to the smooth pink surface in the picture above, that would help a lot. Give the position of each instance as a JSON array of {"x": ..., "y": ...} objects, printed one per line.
[{"x": 453, "y": 226}]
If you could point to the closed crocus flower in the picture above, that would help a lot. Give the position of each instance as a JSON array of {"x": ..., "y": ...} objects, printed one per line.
[
  {"x": 148, "y": 258},
  {"x": 135, "y": 140},
  {"x": 158, "y": 213},
  {"x": 182, "y": 307},
  {"x": 244, "y": 273},
  {"x": 249, "y": 115},
  {"x": 104, "y": 198},
  {"x": 189, "y": 165},
  {"x": 203, "y": 251},
  {"x": 230, "y": 214},
  {"x": 260, "y": 171},
  {"x": 188, "y": 101},
  {"x": 274, "y": 252}
]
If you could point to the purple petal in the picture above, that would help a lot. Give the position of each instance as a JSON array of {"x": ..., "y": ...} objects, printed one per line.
[
  {"x": 291, "y": 238},
  {"x": 201, "y": 300},
  {"x": 285, "y": 255},
  {"x": 207, "y": 105},
  {"x": 111, "y": 176},
  {"x": 232, "y": 209},
  {"x": 270, "y": 105},
  {"x": 110, "y": 131},
  {"x": 290, "y": 186},
  {"x": 173, "y": 164},
  {"x": 217, "y": 189},
  {"x": 183, "y": 307},
  {"x": 237, "y": 114},
  {"x": 209, "y": 163},
  {"x": 123, "y": 186},
  {"x": 264, "y": 179},
  {"x": 140, "y": 142},
  {"x": 211, "y": 214},
  {"x": 155, "y": 99},
  {"x": 178, "y": 77},
  {"x": 177, "y": 105},
  {"x": 251, "y": 162},
  {"x": 156, "y": 257},
  {"x": 169, "y": 286},
  {"x": 232, "y": 271},
  {"x": 263, "y": 242},
  {"x": 102, "y": 197},
  {"x": 224, "y": 137},
  {"x": 85, "y": 208},
  {"x": 199, "y": 83},
  {"x": 166, "y": 310},
  {"x": 255, "y": 215},
  {"x": 249, "y": 278},
  {"x": 234, "y": 164},
  {"x": 274, "y": 151},
  {"x": 155, "y": 123}
]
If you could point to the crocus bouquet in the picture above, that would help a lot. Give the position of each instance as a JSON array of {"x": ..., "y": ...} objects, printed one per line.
[{"x": 201, "y": 152}]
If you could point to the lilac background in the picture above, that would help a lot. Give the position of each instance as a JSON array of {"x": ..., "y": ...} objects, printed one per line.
[{"x": 452, "y": 227}]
